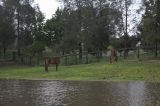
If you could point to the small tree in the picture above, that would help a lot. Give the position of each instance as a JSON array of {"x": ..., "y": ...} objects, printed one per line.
[{"x": 37, "y": 48}]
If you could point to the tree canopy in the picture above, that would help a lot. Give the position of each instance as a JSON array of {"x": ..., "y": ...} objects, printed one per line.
[{"x": 81, "y": 25}]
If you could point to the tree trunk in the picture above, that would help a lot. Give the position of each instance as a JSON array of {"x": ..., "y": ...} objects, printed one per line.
[
  {"x": 126, "y": 32},
  {"x": 4, "y": 51},
  {"x": 156, "y": 49},
  {"x": 13, "y": 56},
  {"x": 0, "y": 52},
  {"x": 98, "y": 56},
  {"x": 100, "y": 53},
  {"x": 79, "y": 15},
  {"x": 63, "y": 53},
  {"x": 138, "y": 55},
  {"x": 80, "y": 51},
  {"x": 18, "y": 32}
]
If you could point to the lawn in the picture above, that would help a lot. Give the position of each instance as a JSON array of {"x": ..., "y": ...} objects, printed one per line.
[{"x": 121, "y": 71}]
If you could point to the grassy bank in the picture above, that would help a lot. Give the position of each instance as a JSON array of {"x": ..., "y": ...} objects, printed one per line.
[{"x": 128, "y": 70}]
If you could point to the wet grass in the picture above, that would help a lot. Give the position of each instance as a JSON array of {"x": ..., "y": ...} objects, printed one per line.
[{"x": 121, "y": 71}]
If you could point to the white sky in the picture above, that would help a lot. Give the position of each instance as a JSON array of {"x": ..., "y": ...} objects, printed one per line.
[{"x": 48, "y": 7}]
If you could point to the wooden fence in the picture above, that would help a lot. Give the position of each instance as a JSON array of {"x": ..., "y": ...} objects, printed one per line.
[{"x": 142, "y": 53}]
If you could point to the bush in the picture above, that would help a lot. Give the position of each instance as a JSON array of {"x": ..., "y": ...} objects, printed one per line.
[{"x": 37, "y": 48}]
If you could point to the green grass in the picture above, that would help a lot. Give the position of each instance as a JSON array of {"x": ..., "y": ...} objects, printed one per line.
[{"x": 121, "y": 71}]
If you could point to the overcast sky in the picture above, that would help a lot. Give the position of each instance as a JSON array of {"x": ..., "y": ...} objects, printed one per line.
[{"x": 48, "y": 7}]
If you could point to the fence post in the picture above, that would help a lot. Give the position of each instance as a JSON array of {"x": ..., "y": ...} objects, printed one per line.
[
  {"x": 156, "y": 49},
  {"x": 56, "y": 67},
  {"x": 13, "y": 56},
  {"x": 38, "y": 60},
  {"x": 0, "y": 53},
  {"x": 98, "y": 57},
  {"x": 124, "y": 53},
  {"x": 46, "y": 65},
  {"x": 87, "y": 58},
  {"x": 138, "y": 52},
  {"x": 66, "y": 59},
  {"x": 30, "y": 60},
  {"x": 22, "y": 60},
  {"x": 76, "y": 58}
]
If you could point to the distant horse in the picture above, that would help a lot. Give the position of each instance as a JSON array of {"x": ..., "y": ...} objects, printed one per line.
[
  {"x": 51, "y": 60},
  {"x": 113, "y": 56}
]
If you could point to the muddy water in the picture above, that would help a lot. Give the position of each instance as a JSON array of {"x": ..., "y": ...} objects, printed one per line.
[{"x": 68, "y": 93}]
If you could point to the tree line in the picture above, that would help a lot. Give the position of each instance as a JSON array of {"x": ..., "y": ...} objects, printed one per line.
[
  {"x": 149, "y": 28},
  {"x": 20, "y": 24},
  {"x": 81, "y": 25}
]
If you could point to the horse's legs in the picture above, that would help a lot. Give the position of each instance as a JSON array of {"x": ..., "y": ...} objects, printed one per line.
[{"x": 46, "y": 66}]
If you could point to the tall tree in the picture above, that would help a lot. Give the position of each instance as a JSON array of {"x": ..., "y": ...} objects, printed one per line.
[
  {"x": 38, "y": 26},
  {"x": 124, "y": 7},
  {"x": 22, "y": 16},
  {"x": 53, "y": 29},
  {"x": 90, "y": 22},
  {"x": 7, "y": 32},
  {"x": 25, "y": 19},
  {"x": 150, "y": 25}
]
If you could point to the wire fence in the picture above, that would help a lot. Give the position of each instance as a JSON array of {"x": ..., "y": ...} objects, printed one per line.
[{"x": 141, "y": 53}]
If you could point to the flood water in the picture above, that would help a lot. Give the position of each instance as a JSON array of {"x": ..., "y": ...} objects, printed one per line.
[{"x": 70, "y": 93}]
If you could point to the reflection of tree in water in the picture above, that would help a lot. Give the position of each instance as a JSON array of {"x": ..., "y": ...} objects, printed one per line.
[
  {"x": 17, "y": 93},
  {"x": 153, "y": 94},
  {"x": 74, "y": 93},
  {"x": 103, "y": 94}
]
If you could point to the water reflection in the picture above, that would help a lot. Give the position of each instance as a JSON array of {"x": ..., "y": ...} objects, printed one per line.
[{"x": 68, "y": 93}]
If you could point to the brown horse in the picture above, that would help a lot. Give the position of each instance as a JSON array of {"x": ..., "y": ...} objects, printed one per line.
[
  {"x": 51, "y": 60},
  {"x": 113, "y": 56}
]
